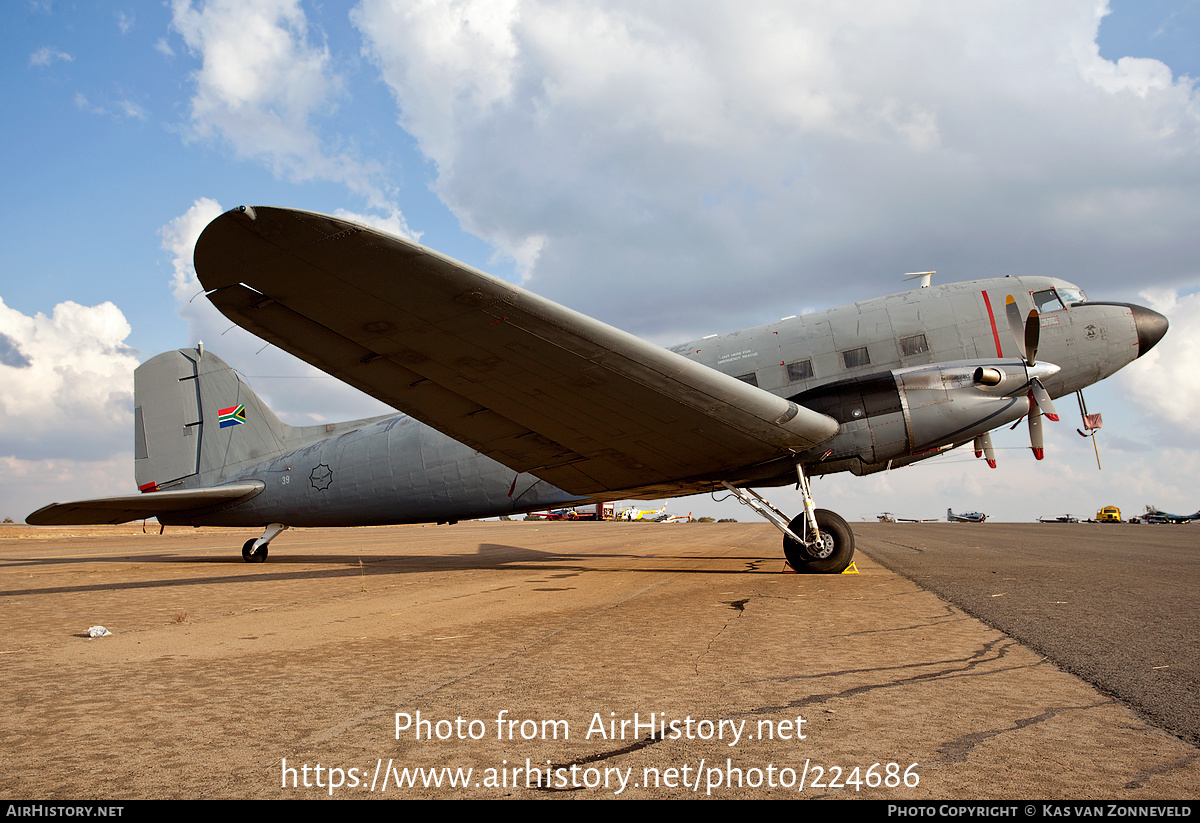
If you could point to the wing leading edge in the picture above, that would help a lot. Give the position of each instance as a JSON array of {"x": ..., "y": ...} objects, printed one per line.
[{"x": 532, "y": 384}]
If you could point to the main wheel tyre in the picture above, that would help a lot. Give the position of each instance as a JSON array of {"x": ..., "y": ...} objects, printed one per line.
[
  {"x": 835, "y": 551},
  {"x": 251, "y": 556}
]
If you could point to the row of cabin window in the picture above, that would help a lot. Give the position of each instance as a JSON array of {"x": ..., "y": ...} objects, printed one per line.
[{"x": 851, "y": 359}]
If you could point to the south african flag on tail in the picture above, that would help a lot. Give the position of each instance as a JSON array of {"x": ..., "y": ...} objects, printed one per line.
[{"x": 232, "y": 416}]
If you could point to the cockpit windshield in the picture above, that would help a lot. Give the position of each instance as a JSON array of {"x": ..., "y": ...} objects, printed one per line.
[
  {"x": 1050, "y": 300},
  {"x": 1071, "y": 295}
]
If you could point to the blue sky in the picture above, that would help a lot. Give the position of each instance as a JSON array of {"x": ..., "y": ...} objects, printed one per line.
[{"x": 672, "y": 173}]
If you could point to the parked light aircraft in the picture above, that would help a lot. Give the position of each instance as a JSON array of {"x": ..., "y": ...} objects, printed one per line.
[
  {"x": 1153, "y": 515},
  {"x": 511, "y": 403},
  {"x": 889, "y": 517},
  {"x": 965, "y": 517},
  {"x": 634, "y": 513}
]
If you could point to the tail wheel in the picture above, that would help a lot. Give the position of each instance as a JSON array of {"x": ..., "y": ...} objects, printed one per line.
[
  {"x": 251, "y": 556},
  {"x": 832, "y": 555}
]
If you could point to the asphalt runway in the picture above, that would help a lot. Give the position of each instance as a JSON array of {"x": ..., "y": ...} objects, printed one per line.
[
  {"x": 566, "y": 660},
  {"x": 1115, "y": 604}
]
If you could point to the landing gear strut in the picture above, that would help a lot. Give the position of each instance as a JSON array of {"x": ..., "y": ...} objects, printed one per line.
[
  {"x": 816, "y": 541},
  {"x": 254, "y": 550}
]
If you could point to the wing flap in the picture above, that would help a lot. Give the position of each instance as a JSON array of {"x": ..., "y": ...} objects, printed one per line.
[
  {"x": 128, "y": 507},
  {"x": 536, "y": 386}
]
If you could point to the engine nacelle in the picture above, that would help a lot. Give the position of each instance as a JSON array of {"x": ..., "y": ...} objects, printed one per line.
[
  {"x": 949, "y": 403},
  {"x": 903, "y": 413}
]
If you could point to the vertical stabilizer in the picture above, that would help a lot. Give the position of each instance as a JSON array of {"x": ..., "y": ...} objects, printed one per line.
[{"x": 196, "y": 423}]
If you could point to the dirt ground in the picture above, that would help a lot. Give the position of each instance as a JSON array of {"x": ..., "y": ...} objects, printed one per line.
[{"x": 606, "y": 659}]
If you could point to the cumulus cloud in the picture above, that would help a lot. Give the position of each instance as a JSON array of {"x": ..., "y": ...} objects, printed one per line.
[
  {"x": 720, "y": 165},
  {"x": 179, "y": 240},
  {"x": 11, "y": 354},
  {"x": 66, "y": 383},
  {"x": 261, "y": 86},
  {"x": 1163, "y": 382}
]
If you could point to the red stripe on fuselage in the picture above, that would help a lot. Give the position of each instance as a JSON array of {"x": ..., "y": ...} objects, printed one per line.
[{"x": 992, "y": 319}]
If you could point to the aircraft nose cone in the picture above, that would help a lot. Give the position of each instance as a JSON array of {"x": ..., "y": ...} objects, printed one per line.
[{"x": 1151, "y": 326}]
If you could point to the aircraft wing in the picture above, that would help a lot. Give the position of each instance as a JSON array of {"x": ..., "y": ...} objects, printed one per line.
[
  {"x": 534, "y": 385},
  {"x": 139, "y": 506}
]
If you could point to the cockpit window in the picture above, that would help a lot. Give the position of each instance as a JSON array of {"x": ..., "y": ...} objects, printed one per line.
[
  {"x": 1057, "y": 299},
  {"x": 1047, "y": 301},
  {"x": 1072, "y": 295}
]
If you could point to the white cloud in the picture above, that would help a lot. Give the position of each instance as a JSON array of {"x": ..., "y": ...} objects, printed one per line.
[
  {"x": 123, "y": 108},
  {"x": 444, "y": 61},
  {"x": 83, "y": 104},
  {"x": 262, "y": 85},
  {"x": 128, "y": 108},
  {"x": 1164, "y": 381},
  {"x": 66, "y": 383},
  {"x": 179, "y": 240},
  {"x": 393, "y": 223},
  {"x": 47, "y": 55}
]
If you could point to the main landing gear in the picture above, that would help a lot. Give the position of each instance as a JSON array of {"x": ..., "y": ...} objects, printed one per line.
[
  {"x": 254, "y": 550},
  {"x": 816, "y": 541}
]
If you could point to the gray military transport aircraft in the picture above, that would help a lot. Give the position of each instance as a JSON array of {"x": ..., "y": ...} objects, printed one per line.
[{"x": 511, "y": 403}]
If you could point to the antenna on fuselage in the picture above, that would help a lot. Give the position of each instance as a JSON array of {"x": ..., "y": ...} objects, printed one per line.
[{"x": 926, "y": 277}]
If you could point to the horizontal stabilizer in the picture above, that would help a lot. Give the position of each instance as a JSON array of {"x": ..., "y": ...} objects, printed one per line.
[{"x": 139, "y": 506}]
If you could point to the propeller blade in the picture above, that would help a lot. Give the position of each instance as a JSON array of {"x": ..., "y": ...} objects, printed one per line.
[
  {"x": 985, "y": 441},
  {"x": 1014, "y": 323},
  {"x": 1035, "y": 429},
  {"x": 1025, "y": 333},
  {"x": 1033, "y": 330},
  {"x": 983, "y": 446},
  {"x": 1042, "y": 398}
]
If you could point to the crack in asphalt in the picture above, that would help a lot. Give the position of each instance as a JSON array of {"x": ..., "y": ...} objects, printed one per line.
[
  {"x": 957, "y": 750},
  {"x": 990, "y": 652}
]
